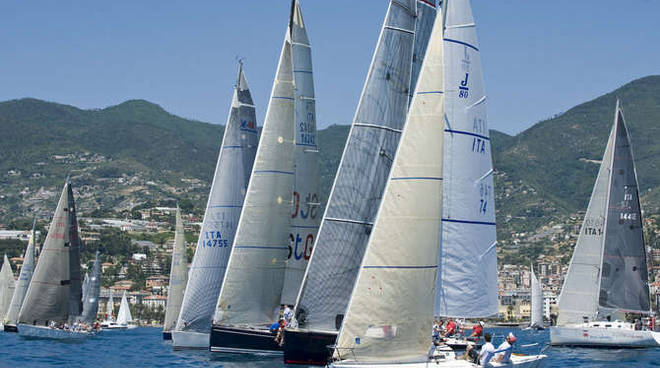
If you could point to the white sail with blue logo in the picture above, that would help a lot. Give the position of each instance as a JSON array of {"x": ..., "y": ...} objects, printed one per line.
[
  {"x": 365, "y": 165},
  {"x": 223, "y": 209},
  {"x": 252, "y": 288},
  {"x": 390, "y": 313},
  {"x": 306, "y": 212},
  {"x": 23, "y": 281},
  {"x": 467, "y": 282}
]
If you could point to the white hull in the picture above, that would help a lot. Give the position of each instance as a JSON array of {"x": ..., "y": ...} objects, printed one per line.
[
  {"x": 190, "y": 340},
  {"x": 528, "y": 361},
  {"x": 42, "y": 332},
  {"x": 588, "y": 336}
]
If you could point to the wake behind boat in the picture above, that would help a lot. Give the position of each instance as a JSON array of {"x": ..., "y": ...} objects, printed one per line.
[
  {"x": 608, "y": 274},
  {"x": 54, "y": 297}
]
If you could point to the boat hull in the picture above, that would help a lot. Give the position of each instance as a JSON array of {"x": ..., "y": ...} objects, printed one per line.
[
  {"x": 225, "y": 339},
  {"x": 520, "y": 361},
  {"x": 599, "y": 337},
  {"x": 190, "y": 340},
  {"x": 308, "y": 347},
  {"x": 167, "y": 335},
  {"x": 10, "y": 328},
  {"x": 42, "y": 332}
]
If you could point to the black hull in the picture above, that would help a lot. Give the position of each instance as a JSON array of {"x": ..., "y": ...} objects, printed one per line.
[
  {"x": 167, "y": 335},
  {"x": 225, "y": 339},
  {"x": 11, "y": 328},
  {"x": 308, "y": 347}
]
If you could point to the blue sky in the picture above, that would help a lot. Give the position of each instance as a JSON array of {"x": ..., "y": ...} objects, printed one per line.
[{"x": 539, "y": 57}]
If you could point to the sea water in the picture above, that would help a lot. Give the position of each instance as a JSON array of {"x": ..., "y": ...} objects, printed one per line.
[{"x": 144, "y": 347}]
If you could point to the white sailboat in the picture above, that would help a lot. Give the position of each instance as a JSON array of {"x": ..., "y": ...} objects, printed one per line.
[
  {"x": 22, "y": 284},
  {"x": 178, "y": 278},
  {"x": 7, "y": 287},
  {"x": 375, "y": 333},
  {"x": 360, "y": 180},
  {"x": 109, "y": 312},
  {"x": 91, "y": 292},
  {"x": 536, "y": 315},
  {"x": 223, "y": 209},
  {"x": 54, "y": 296},
  {"x": 124, "y": 317},
  {"x": 608, "y": 274},
  {"x": 252, "y": 289}
]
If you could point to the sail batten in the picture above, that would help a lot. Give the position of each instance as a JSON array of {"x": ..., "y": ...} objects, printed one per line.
[
  {"x": 365, "y": 164},
  {"x": 224, "y": 206}
]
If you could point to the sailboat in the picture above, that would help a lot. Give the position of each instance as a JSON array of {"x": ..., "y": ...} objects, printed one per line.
[
  {"x": 223, "y": 209},
  {"x": 400, "y": 265},
  {"x": 22, "y": 284},
  {"x": 54, "y": 296},
  {"x": 536, "y": 315},
  {"x": 124, "y": 317},
  {"x": 252, "y": 289},
  {"x": 7, "y": 287},
  {"x": 109, "y": 313},
  {"x": 359, "y": 182},
  {"x": 91, "y": 292},
  {"x": 178, "y": 278},
  {"x": 608, "y": 274}
]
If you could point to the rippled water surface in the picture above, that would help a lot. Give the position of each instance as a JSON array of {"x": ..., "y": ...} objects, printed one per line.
[{"x": 144, "y": 347}]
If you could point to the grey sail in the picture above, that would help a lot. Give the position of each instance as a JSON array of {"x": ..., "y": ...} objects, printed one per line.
[
  {"x": 178, "y": 275},
  {"x": 55, "y": 292},
  {"x": 364, "y": 167},
  {"x": 306, "y": 212},
  {"x": 624, "y": 272},
  {"x": 536, "y": 317},
  {"x": 7, "y": 286},
  {"x": 252, "y": 287},
  {"x": 23, "y": 282},
  {"x": 85, "y": 286},
  {"x": 223, "y": 209},
  {"x": 92, "y": 291}
]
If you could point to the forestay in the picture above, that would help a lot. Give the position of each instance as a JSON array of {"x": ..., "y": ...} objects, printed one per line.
[
  {"x": 536, "y": 318},
  {"x": 624, "y": 273},
  {"x": 178, "y": 275},
  {"x": 579, "y": 294},
  {"x": 364, "y": 167},
  {"x": 55, "y": 292},
  {"x": 7, "y": 287},
  {"x": 306, "y": 211},
  {"x": 467, "y": 285},
  {"x": 23, "y": 282},
  {"x": 391, "y": 308},
  {"x": 93, "y": 289},
  {"x": 223, "y": 210},
  {"x": 252, "y": 287}
]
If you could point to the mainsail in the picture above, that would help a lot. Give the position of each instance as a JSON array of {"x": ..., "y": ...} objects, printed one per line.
[
  {"x": 55, "y": 292},
  {"x": 392, "y": 301},
  {"x": 23, "y": 282},
  {"x": 178, "y": 275},
  {"x": 124, "y": 315},
  {"x": 306, "y": 213},
  {"x": 252, "y": 287},
  {"x": 7, "y": 286},
  {"x": 223, "y": 209},
  {"x": 365, "y": 166},
  {"x": 92, "y": 292},
  {"x": 536, "y": 318},
  {"x": 467, "y": 279}
]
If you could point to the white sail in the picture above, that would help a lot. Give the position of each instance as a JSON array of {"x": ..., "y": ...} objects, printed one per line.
[
  {"x": 223, "y": 209},
  {"x": 55, "y": 292},
  {"x": 23, "y": 282},
  {"x": 92, "y": 292},
  {"x": 7, "y": 287},
  {"x": 252, "y": 287},
  {"x": 467, "y": 285},
  {"x": 178, "y": 275},
  {"x": 391, "y": 308},
  {"x": 124, "y": 315},
  {"x": 536, "y": 317},
  {"x": 579, "y": 294},
  {"x": 306, "y": 213},
  {"x": 365, "y": 165}
]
